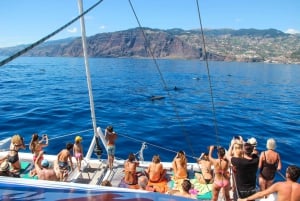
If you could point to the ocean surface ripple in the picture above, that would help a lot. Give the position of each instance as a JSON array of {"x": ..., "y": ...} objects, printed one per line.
[{"x": 49, "y": 95}]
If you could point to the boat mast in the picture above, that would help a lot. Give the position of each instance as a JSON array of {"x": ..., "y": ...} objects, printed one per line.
[{"x": 95, "y": 140}]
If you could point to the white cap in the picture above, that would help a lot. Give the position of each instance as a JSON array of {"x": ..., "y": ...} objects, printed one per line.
[{"x": 252, "y": 141}]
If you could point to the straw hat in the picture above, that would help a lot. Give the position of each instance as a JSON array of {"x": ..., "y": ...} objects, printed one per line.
[{"x": 4, "y": 166}]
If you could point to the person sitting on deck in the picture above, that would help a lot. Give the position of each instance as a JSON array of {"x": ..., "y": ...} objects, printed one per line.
[
  {"x": 222, "y": 176},
  {"x": 155, "y": 172},
  {"x": 205, "y": 177},
  {"x": 179, "y": 166},
  {"x": 130, "y": 170},
  {"x": 44, "y": 172},
  {"x": 17, "y": 143},
  {"x": 143, "y": 184},
  {"x": 286, "y": 190},
  {"x": 4, "y": 168},
  {"x": 62, "y": 160}
]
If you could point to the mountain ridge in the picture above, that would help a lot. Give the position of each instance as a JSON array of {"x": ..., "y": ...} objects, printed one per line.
[{"x": 247, "y": 45}]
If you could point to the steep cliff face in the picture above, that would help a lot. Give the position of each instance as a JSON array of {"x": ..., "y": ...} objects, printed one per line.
[
  {"x": 128, "y": 43},
  {"x": 131, "y": 43},
  {"x": 250, "y": 45}
]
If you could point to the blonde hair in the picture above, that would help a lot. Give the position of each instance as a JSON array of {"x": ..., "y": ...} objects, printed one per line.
[
  {"x": 271, "y": 144},
  {"x": 17, "y": 140}
]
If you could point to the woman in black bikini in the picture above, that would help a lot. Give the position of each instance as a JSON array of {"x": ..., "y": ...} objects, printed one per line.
[
  {"x": 12, "y": 157},
  {"x": 269, "y": 163}
]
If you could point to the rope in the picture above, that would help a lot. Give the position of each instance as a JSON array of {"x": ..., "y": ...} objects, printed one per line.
[
  {"x": 62, "y": 136},
  {"x": 280, "y": 174},
  {"x": 148, "y": 49},
  {"x": 153, "y": 145},
  {"x": 23, "y": 51},
  {"x": 209, "y": 77}
]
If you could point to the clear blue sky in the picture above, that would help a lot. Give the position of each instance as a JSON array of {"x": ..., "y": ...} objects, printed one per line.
[{"x": 26, "y": 21}]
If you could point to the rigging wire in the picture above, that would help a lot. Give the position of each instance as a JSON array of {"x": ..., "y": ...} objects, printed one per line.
[
  {"x": 208, "y": 73},
  {"x": 23, "y": 51},
  {"x": 162, "y": 78}
]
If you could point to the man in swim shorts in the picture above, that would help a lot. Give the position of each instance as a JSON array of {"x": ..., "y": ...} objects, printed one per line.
[{"x": 110, "y": 137}]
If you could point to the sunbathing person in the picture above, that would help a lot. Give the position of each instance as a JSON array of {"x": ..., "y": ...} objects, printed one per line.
[
  {"x": 205, "y": 177},
  {"x": 221, "y": 179},
  {"x": 130, "y": 170},
  {"x": 155, "y": 171},
  {"x": 17, "y": 143},
  {"x": 4, "y": 168},
  {"x": 179, "y": 166}
]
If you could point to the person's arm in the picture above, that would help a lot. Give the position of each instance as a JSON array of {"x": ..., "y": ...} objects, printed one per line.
[
  {"x": 211, "y": 159},
  {"x": 174, "y": 166},
  {"x": 279, "y": 163},
  {"x": 261, "y": 159},
  {"x": 272, "y": 189}
]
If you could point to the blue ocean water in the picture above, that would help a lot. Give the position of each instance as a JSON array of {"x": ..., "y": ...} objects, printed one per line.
[{"x": 49, "y": 95}]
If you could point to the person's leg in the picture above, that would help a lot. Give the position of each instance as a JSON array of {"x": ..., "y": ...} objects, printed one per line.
[
  {"x": 216, "y": 191},
  {"x": 226, "y": 192}
]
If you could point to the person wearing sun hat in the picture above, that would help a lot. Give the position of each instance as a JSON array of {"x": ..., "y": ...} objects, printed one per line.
[
  {"x": 78, "y": 151},
  {"x": 253, "y": 142},
  {"x": 4, "y": 168}
]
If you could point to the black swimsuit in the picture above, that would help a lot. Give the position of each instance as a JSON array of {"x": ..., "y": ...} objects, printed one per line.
[
  {"x": 268, "y": 170},
  {"x": 14, "y": 158}
]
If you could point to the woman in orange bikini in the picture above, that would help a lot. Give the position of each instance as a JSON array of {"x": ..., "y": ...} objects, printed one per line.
[
  {"x": 221, "y": 179},
  {"x": 179, "y": 166},
  {"x": 155, "y": 172},
  {"x": 130, "y": 170}
]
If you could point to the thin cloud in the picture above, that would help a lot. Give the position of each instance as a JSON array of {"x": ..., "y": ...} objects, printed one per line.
[
  {"x": 292, "y": 31},
  {"x": 73, "y": 30},
  {"x": 102, "y": 27}
]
